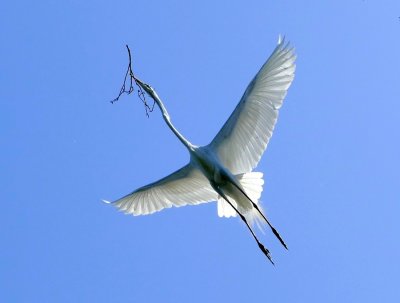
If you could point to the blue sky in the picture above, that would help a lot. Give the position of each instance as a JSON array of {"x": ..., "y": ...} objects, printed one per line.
[{"x": 331, "y": 168}]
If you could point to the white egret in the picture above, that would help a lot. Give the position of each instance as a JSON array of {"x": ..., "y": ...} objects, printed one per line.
[{"x": 222, "y": 171}]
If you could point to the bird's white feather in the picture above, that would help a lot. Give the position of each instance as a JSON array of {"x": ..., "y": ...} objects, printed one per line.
[
  {"x": 186, "y": 186},
  {"x": 224, "y": 209},
  {"x": 252, "y": 184},
  {"x": 245, "y": 135}
]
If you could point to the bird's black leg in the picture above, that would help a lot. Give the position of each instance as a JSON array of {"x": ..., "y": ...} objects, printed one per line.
[
  {"x": 266, "y": 220},
  {"x": 260, "y": 245}
]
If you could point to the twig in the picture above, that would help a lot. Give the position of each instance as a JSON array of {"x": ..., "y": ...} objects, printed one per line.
[{"x": 132, "y": 79}]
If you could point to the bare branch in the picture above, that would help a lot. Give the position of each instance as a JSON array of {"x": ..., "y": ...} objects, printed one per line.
[{"x": 132, "y": 79}]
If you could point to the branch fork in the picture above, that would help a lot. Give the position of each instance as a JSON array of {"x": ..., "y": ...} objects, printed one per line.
[{"x": 132, "y": 79}]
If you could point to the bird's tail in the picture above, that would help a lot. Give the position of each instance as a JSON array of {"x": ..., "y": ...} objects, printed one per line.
[
  {"x": 246, "y": 201},
  {"x": 252, "y": 184}
]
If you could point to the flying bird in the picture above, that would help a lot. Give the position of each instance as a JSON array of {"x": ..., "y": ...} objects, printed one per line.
[{"x": 222, "y": 171}]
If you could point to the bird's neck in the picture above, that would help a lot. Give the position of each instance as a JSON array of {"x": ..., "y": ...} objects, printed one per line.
[{"x": 167, "y": 119}]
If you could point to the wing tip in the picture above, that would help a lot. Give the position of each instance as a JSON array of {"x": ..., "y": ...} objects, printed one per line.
[
  {"x": 284, "y": 44},
  {"x": 281, "y": 39},
  {"x": 106, "y": 201}
]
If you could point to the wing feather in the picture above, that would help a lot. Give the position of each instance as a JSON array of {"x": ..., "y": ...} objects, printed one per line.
[
  {"x": 245, "y": 135},
  {"x": 186, "y": 186}
]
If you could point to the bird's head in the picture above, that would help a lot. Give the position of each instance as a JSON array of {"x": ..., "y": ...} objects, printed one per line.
[{"x": 147, "y": 88}]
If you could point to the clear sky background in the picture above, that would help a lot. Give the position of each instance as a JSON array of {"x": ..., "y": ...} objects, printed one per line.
[{"x": 331, "y": 168}]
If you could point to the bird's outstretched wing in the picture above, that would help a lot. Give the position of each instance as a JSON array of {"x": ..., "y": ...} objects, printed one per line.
[
  {"x": 186, "y": 186},
  {"x": 245, "y": 135}
]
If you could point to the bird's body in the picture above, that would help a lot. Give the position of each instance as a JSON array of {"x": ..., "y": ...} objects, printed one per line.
[
  {"x": 220, "y": 178},
  {"x": 223, "y": 170},
  {"x": 207, "y": 162}
]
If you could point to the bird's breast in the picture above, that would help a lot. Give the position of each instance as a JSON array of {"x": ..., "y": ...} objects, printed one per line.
[
  {"x": 205, "y": 162},
  {"x": 210, "y": 166}
]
